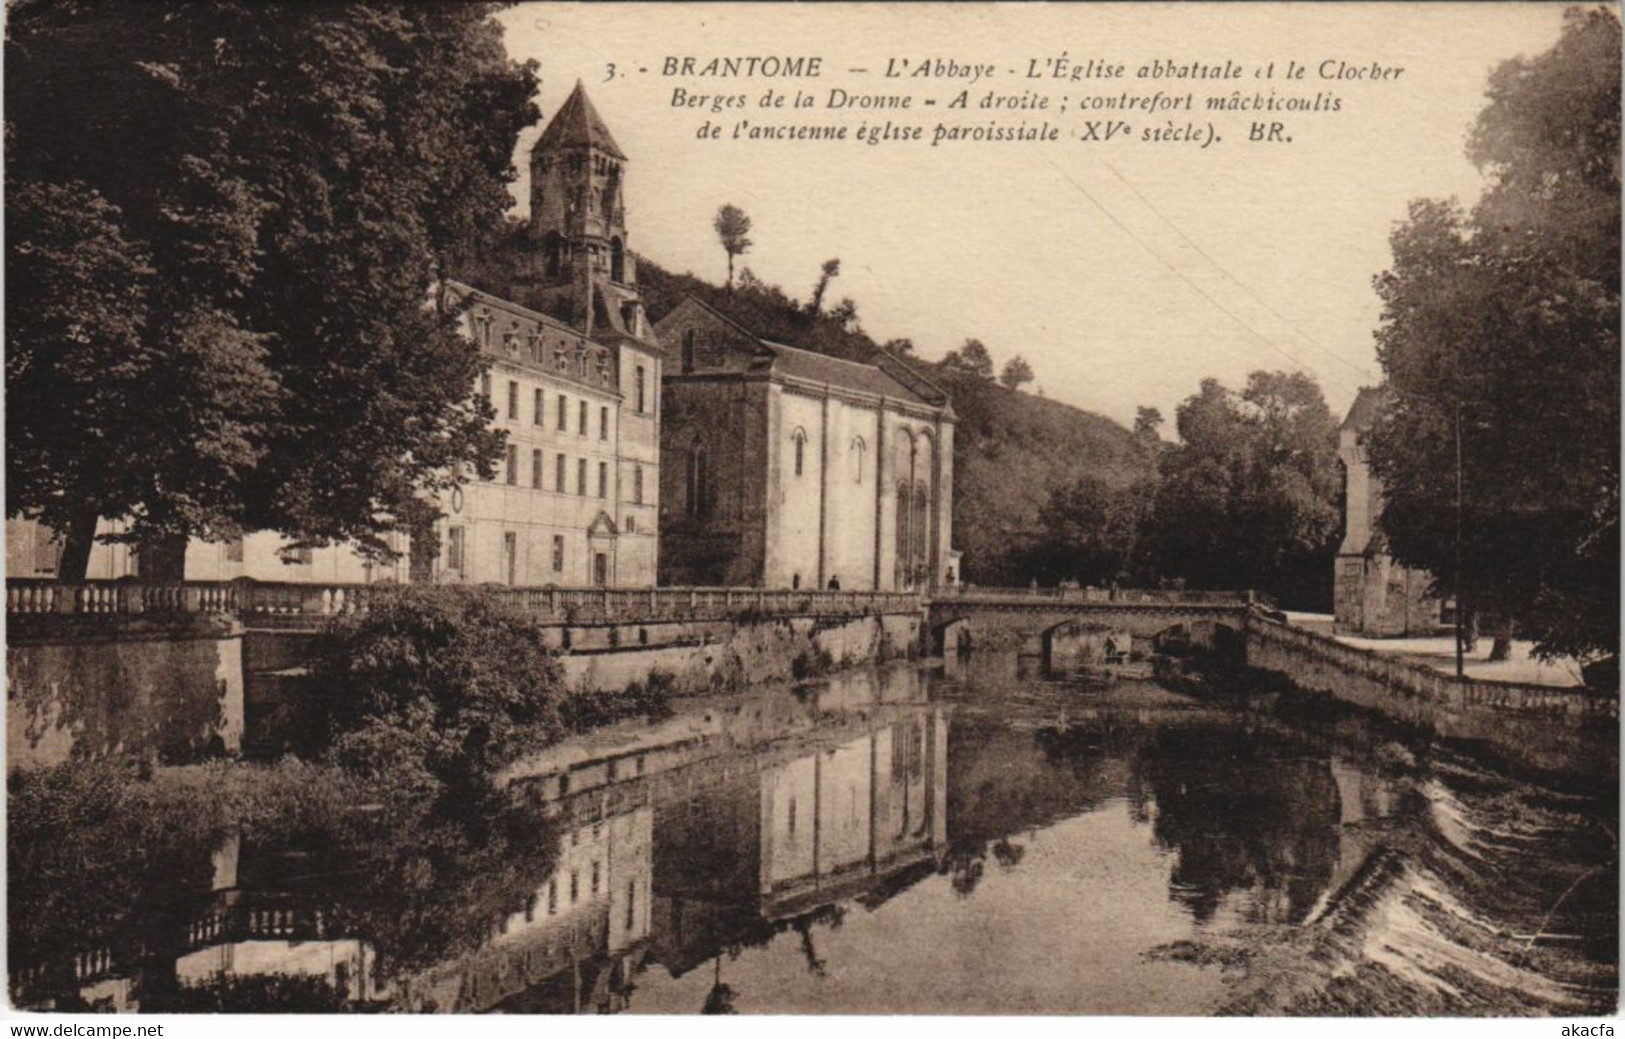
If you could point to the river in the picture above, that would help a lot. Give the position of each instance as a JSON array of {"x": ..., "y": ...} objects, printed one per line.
[{"x": 978, "y": 838}]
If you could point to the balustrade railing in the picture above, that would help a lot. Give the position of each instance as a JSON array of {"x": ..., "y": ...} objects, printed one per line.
[
  {"x": 1126, "y": 596},
  {"x": 288, "y": 604}
]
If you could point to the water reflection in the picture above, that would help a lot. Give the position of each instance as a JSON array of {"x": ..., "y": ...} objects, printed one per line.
[{"x": 890, "y": 841}]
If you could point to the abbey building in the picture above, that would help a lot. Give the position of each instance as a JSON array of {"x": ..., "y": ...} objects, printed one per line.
[{"x": 746, "y": 463}]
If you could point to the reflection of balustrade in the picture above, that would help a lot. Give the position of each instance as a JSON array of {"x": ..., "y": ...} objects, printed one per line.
[{"x": 272, "y": 601}]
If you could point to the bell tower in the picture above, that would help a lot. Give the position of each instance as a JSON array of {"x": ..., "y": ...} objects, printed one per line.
[{"x": 583, "y": 267}]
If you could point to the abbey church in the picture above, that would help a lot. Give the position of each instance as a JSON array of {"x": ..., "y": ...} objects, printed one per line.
[{"x": 748, "y": 463}]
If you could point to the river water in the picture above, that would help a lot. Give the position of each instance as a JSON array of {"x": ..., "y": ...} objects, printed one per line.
[{"x": 974, "y": 839}]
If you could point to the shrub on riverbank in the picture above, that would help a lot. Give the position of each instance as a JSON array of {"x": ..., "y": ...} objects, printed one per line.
[{"x": 438, "y": 685}]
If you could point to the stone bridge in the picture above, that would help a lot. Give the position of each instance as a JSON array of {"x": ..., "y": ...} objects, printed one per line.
[{"x": 989, "y": 618}]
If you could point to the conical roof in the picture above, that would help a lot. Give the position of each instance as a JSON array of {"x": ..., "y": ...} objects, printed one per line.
[{"x": 576, "y": 124}]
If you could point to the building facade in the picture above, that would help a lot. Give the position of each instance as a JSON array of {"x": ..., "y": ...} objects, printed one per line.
[
  {"x": 1373, "y": 595},
  {"x": 784, "y": 468},
  {"x": 575, "y": 384}
]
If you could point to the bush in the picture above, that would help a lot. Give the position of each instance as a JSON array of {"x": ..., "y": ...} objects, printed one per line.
[
  {"x": 438, "y": 686},
  {"x": 583, "y": 710}
]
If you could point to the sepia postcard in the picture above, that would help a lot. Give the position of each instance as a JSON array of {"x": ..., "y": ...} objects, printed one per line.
[{"x": 1077, "y": 510}]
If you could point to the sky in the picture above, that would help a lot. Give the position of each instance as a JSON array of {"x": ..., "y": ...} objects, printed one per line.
[{"x": 1124, "y": 272}]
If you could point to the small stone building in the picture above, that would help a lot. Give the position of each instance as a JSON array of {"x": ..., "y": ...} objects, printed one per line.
[
  {"x": 1373, "y": 594},
  {"x": 784, "y": 468}
]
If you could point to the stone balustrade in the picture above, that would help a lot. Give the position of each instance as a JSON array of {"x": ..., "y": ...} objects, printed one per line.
[
  {"x": 1126, "y": 596},
  {"x": 288, "y": 604},
  {"x": 1268, "y": 639}
]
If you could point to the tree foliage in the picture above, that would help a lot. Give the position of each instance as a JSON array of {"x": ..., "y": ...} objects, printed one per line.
[
  {"x": 1504, "y": 322},
  {"x": 970, "y": 359},
  {"x": 733, "y": 231},
  {"x": 1016, "y": 373},
  {"x": 1249, "y": 497},
  {"x": 1090, "y": 532},
  {"x": 438, "y": 685},
  {"x": 830, "y": 269},
  {"x": 227, "y": 260}
]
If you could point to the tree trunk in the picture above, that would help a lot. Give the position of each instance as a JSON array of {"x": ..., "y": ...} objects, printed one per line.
[
  {"x": 1501, "y": 628},
  {"x": 162, "y": 559},
  {"x": 77, "y": 541},
  {"x": 730, "y": 273}
]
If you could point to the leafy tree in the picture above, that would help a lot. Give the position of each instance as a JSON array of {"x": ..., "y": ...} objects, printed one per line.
[
  {"x": 1502, "y": 325},
  {"x": 1016, "y": 373},
  {"x": 1148, "y": 424},
  {"x": 1249, "y": 498},
  {"x": 830, "y": 269},
  {"x": 970, "y": 359},
  {"x": 845, "y": 313},
  {"x": 438, "y": 685},
  {"x": 1090, "y": 532},
  {"x": 227, "y": 262},
  {"x": 733, "y": 230},
  {"x": 899, "y": 347}
]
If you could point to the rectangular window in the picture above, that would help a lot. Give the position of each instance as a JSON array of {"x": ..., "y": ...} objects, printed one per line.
[
  {"x": 552, "y": 896},
  {"x": 637, "y": 485},
  {"x": 575, "y": 887},
  {"x": 583, "y": 423},
  {"x": 510, "y": 557},
  {"x": 603, "y": 423},
  {"x": 513, "y": 399},
  {"x": 485, "y": 385},
  {"x": 558, "y": 553},
  {"x": 454, "y": 549},
  {"x": 513, "y": 464},
  {"x": 536, "y": 468},
  {"x": 558, "y": 474},
  {"x": 537, "y": 420},
  {"x": 642, "y": 400},
  {"x": 595, "y": 879},
  {"x": 603, "y": 479},
  {"x": 564, "y": 413},
  {"x": 631, "y": 903},
  {"x": 581, "y": 477}
]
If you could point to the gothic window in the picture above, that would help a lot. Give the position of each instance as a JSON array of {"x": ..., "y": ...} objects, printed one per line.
[
  {"x": 617, "y": 260},
  {"x": 905, "y": 536},
  {"x": 800, "y": 439}
]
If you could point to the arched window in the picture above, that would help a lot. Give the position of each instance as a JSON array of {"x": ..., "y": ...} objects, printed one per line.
[
  {"x": 697, "y": 500},
  {"x": 858, "y": 450},
  {"x": 688, "y": 350},
  {"x": 800, "y": 439},
  {"x": 553, "y": 253},
  {"x": 617, "y": 260},
  {"x": 905, "y": 537}
]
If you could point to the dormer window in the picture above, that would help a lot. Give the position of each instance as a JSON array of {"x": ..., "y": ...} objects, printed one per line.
[
  {"x": 559, "y": 358},
  {"x": 510, "y": 342},
  {"x": 533, "y": 347}
]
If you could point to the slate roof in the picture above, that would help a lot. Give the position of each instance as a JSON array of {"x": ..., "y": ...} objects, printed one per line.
[
  {"x": 850, "y": 375},
  {"x": 577, "y": 124}
]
